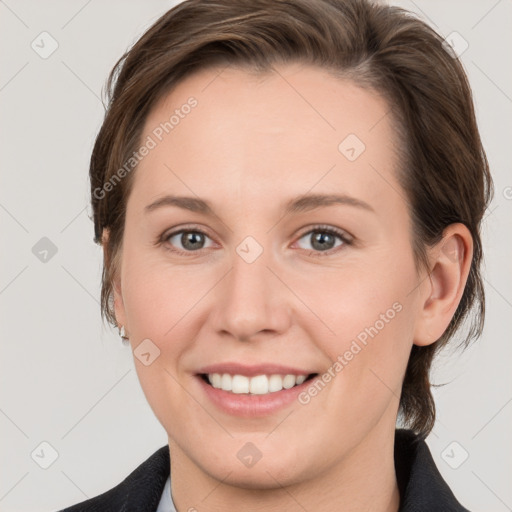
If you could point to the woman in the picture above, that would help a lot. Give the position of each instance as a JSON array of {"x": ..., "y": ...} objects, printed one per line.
[{"x": 289, "y": 198}]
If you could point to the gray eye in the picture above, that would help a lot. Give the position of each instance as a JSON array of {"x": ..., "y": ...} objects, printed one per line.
[
  {"x": 189, "y": 240},
  {"x": 321, "y": 240}
]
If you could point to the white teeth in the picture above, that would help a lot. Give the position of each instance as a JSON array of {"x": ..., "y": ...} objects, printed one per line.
[
  {"x": 300, "y": 379},
  {"x": 225, "y": 382},
  {"x": 275, "y": 383},
  {"x": 288, "y": 381},
  {"x": 258, "y": 385},
  {"x": 240, "y": 384},
  {"x": 216, "y": 380}
]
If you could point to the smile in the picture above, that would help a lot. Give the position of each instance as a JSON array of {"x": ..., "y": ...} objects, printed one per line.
[
  {"x": 256, "y": 385},
  {"x": 253, "y": 390}
]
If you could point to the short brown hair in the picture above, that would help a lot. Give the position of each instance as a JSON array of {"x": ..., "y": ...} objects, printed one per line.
[{"x": 444, "y": 170}]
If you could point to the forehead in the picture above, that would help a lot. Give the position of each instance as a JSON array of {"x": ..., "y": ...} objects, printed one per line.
[{"x": 268, "y": 135}]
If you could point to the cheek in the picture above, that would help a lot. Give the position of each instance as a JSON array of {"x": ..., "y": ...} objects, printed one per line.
[
  {"x": 348, "y": 301},
  {"x": 370, "y": 316},
  {"x": 156, "y": 295}
]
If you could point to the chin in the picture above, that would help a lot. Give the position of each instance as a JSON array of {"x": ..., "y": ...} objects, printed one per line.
[
  {"x": 273, "y": 476},
  {"x": 272, "y": 471}
]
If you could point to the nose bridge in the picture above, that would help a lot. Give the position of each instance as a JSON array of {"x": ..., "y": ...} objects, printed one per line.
[{"x": 252, "y": 299}]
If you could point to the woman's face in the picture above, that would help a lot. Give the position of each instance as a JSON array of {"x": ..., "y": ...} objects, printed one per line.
[{"x": 270, "y": 279}]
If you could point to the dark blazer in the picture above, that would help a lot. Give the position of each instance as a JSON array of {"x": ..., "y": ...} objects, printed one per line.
[{"x": 422, "y": 489}]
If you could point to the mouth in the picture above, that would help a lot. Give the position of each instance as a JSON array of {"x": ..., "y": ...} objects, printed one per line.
[
  {"x": 263, "y": 384},
  {"x": 253, "y": 390}
]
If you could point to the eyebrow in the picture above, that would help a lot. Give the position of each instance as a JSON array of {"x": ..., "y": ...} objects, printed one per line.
[{"x": 296, "y": 205}]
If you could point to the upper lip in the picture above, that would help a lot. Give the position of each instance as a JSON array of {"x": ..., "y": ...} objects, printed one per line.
[{"x": 252, "y": 370}]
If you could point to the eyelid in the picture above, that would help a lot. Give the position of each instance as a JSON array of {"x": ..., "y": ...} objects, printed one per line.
[
  {"x": 327, "y": 227},
  {"x": 189, "y": 227}
]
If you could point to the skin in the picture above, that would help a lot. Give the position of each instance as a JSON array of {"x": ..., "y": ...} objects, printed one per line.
[{"x": 252, "y": 143}]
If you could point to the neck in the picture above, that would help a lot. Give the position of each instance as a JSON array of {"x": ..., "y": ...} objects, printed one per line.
[{"x": 365, "y": 481}]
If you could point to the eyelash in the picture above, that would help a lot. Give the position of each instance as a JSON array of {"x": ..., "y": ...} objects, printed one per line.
[{"x": 318, "y": 228}]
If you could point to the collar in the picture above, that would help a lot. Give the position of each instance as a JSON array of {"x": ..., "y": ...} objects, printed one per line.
[{"x": 421, "y": 486}]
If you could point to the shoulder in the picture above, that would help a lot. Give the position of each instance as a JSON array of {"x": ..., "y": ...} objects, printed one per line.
[
  {"x": 421, "y": 486},
  {"x": 140, "y": 491}
]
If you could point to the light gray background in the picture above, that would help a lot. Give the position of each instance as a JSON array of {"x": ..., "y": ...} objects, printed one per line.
[{"x": 67, "y": 380}]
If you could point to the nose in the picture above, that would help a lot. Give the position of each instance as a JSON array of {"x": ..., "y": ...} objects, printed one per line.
[{"x": 251, "y": 301}]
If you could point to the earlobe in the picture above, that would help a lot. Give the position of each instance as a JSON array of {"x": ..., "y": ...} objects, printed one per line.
[{"x": 450, "y": 263}]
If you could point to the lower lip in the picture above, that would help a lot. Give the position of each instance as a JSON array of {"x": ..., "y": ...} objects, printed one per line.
[{"x": 250, "y": 406}]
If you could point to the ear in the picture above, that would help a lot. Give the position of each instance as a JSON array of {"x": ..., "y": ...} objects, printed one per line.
[
  {"x": 450, "y": 263},
  {"x": 116, "y": 280}
]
